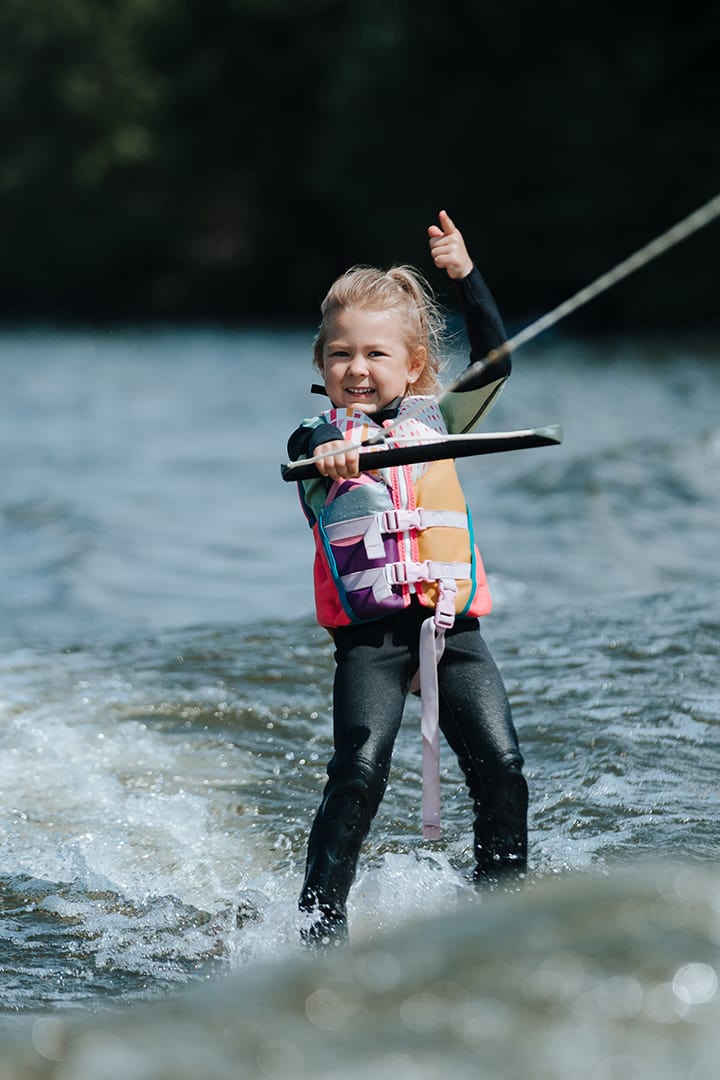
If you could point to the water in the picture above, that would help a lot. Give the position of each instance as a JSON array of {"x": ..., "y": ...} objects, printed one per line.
[{"x": 165, "y": 708}]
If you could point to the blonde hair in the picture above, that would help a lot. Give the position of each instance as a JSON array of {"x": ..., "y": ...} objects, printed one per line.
[{"x": 402, "y": 289}]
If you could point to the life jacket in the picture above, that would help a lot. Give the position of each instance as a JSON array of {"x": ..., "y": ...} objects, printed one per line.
[{"x": 387, "y": 535}]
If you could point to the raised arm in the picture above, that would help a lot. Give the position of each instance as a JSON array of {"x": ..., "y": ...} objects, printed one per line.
[{"x": 464, "y": 409}]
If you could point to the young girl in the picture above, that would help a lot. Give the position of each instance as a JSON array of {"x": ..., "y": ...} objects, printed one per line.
[{"x": 395, "y": 553}]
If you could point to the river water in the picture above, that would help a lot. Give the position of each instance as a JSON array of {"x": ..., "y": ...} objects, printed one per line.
[{"x": 165, "y": 722}]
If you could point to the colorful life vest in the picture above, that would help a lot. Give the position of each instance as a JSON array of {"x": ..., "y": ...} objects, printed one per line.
[{"x": 383, "y": 536}]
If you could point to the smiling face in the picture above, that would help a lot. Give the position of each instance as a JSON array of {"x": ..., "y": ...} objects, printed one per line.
[{"x": 366, "y": 362}]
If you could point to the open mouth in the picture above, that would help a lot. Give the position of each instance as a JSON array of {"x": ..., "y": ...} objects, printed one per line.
[{"x": 359, "y": 391}]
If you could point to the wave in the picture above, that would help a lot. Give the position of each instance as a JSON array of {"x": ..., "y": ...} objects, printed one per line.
[{"x": 600, "y": 976}]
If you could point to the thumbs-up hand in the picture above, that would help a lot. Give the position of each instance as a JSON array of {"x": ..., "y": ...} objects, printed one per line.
[{"x": 447, "y": 247}]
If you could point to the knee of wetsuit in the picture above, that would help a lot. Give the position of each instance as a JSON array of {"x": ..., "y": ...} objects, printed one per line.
[
  {"x": 511, "y": 761},
  {"x": 511, "y": 784},
  {"x": 347, "y": 809}
]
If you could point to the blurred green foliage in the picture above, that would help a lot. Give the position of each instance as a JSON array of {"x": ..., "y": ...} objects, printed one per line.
[{"x": 226, "y": 158}]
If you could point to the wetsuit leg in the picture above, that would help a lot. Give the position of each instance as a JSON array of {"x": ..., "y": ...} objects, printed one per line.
[
  {"x": 374, "y": 668},
  {"x": 476, "y": 720}
]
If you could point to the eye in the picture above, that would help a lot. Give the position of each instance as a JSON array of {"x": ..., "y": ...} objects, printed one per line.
[
  {"x": 337, "y": 353},
  {"x": 377, "y": 352}
]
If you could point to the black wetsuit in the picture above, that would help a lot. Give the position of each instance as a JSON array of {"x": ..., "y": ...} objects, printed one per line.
[{"x": 375, "y": 663}]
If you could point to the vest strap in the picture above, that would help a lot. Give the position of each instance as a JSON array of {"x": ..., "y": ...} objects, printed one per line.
[
  {"x": 409, "y": 573},
  {"x": 432, "y": 646},
  {"x": 381, "y": 578},
  {"x": 420, "y": 518},
  {"x": 372, "y": 527}
]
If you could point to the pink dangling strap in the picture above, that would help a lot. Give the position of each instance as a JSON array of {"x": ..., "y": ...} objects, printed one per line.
[{"x": 432, "y": 646}]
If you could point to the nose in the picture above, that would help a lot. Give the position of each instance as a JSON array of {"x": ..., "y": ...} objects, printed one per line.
[{"x": 358, "y": 364}]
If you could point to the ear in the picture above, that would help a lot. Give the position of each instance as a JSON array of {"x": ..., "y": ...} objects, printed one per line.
[{"x": 416, "y": 364}]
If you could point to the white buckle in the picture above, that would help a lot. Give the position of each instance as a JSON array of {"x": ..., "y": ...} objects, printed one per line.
[
  {"x": 406, "y": 573},
  {"x": 390, "y": 521},
  {"x": 445, "y": 607}
]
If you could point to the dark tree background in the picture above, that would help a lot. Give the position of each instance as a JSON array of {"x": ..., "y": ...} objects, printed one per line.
[{"x": 185, "y": 159}]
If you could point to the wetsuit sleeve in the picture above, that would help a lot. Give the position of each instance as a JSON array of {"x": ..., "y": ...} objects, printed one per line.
[
  {"x": 309, "y": 435},
  {"x": 464, "y": 408}
]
